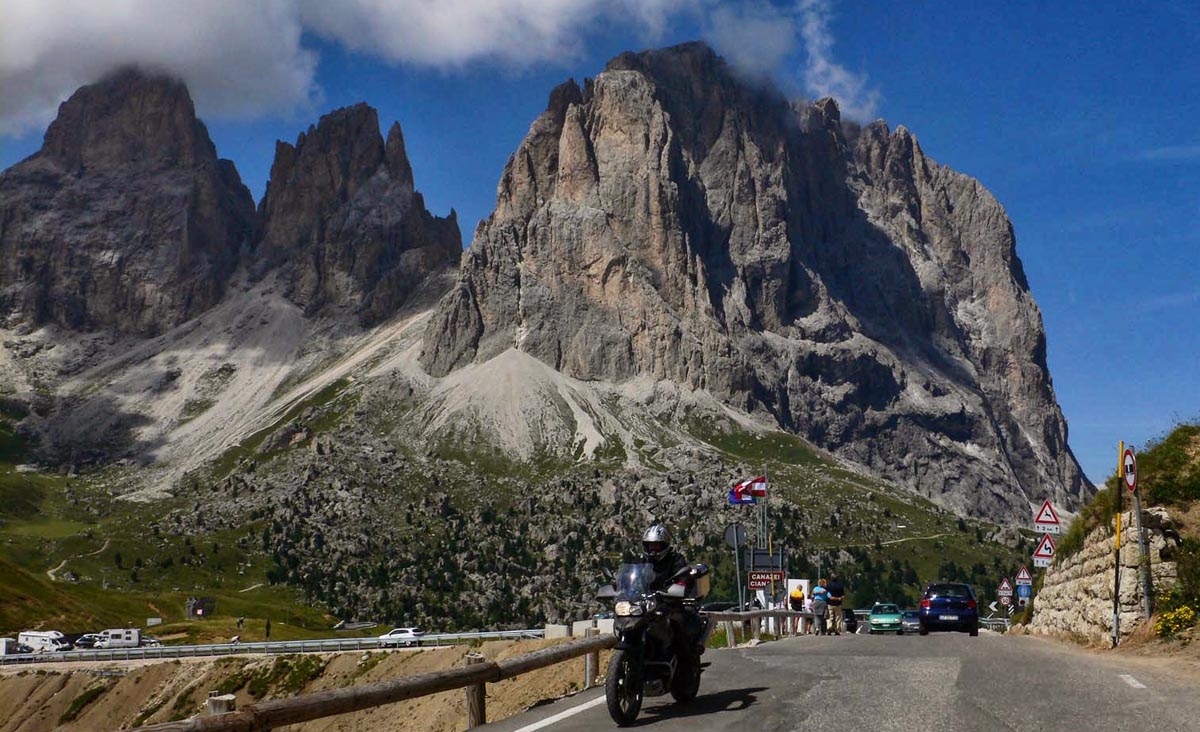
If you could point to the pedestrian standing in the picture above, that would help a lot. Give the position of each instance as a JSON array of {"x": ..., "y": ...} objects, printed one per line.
[
  {"x": 268, "y": 629},
  {"x": 820, "y": 600},
  {"x": 241, "y": 620},
  {"x": 837, "y": 593}
]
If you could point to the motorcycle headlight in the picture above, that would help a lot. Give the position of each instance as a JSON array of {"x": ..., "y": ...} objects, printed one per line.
[{"x": 628, "y": 608}]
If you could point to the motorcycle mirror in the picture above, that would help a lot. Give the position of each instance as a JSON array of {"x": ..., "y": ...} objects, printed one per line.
[{"x": 607, "y": 592}]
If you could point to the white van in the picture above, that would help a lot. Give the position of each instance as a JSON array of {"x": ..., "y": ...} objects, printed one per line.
[
  {"x": 119, "y": 638},
  {"x": 44, "y": 641}
]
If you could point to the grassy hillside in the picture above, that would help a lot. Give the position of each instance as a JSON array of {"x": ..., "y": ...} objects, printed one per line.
[{"x": 451, "y": 538}]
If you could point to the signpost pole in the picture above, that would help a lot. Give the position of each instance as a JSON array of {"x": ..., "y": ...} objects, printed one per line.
[
  {"x": 1144, "y": 561},
  {"x": 737, "y": 567},
  {"x": 1120, "y": 488}
]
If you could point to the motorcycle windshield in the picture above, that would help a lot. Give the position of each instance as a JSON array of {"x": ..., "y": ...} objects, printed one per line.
[{"x": 634, "y": 581}]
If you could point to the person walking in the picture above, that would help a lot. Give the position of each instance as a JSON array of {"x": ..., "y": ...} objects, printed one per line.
[
  {"x": 820, "y": 600},
  {"x": 796, "y": 604},
  {"x": 268, "y": 627},
  {"x": 837, "y": 593}
]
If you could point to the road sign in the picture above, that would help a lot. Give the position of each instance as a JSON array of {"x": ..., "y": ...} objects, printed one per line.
[
  {"x": 763, "y": 576},
  {"x": 1024, "y": 577},
  {"x": 1005, "y": 589},
  {"x": 1130, "y": 463},
  {"x": 758, "y": 584},
  {"x": 993, "y": 607},
  {"x": 1024, "y": 591},
  {"x": 1044, "y": 553},
  {"x": 735, "y": 535},
  {"x": 1046, "y": 519},
  {"x": 1006, "y": 600},
  {"x": 1022, "y": 601}
]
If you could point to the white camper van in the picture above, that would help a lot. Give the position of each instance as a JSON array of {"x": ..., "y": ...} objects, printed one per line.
[
  {"x": 44, "y": 641},
  {"x": 119, "y": 638}
]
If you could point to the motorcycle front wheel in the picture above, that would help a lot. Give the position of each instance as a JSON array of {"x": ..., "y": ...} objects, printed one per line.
[
  {"x": 623, "y": 689},
  {"x": 686, "y": 683}
]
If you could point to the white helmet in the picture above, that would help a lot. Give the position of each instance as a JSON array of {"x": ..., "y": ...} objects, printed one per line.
[{"x": 656, "y": 542}]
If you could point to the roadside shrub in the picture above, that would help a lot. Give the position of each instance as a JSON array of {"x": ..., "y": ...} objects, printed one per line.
[
  {"x": 1173, "y": 621},
  {"x": 81, "y": 701}
]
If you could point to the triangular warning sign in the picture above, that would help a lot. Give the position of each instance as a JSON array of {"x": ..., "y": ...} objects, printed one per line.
[
  {"x": 1024, "y": 575},
  {"x": 1045, "y": 549},
  {"x": 1047, "y": 514},
  {"x": 1004, "y": 587}
]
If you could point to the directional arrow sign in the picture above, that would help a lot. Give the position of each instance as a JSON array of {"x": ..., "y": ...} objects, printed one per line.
[
  {"x": 1024, "y": 591},
  {"x": 993, "y": 607},
  {"x": 1046, "y": 519},
  {"x": 1045, "y": 552},
  {"x": 1024, "y": 577},
  {"x": 1005, "y": 589}
]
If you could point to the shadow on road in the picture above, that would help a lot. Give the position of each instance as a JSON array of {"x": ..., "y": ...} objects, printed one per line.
[{"x": 729, "y": 700}]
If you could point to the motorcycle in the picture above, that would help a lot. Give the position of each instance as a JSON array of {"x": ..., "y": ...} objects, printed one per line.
[{"x": 661, "y": 636}]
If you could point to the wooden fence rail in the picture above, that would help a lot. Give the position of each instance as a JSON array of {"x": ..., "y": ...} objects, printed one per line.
[
  {"x": 267, "y": 715},
  {"x": 279, "y": 712}
]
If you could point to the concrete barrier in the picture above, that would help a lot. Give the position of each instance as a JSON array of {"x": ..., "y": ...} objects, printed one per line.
[{"x": 559, "y": 631}]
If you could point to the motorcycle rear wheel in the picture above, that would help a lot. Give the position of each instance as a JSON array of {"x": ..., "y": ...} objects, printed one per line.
[
  {"x": 685, "y": 685},
  {"x": 623, "y": 689}
]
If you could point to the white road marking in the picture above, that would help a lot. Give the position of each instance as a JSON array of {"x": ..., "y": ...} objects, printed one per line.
[
  {"x": 1132, "y": 681},
  {"x": 561, "y": 715}
]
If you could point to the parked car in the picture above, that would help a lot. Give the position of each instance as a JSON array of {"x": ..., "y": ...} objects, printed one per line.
[
  {"x": 885, "y": 618},
  {"x": 911, "y": 621},
  {"x": 401, "y": 637},
  {"x": 949, "y": 606},
  {"x": 87, "y": 640},
  {"x": 10, "y": 646},
  {"x": 149, "y": 641}
]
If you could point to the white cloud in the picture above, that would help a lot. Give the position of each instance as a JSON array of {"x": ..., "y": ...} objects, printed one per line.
[
  {"x": 756, "y": 38},
  {"x": 243, "y": 59},
  {"x": 238, "y": 58},
  {"x": 824, "y": 77},
  {"x": 455, "y": 32}
]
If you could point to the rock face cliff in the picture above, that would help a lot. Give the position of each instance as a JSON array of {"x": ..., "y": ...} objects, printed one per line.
[
  {"x": 125, "y": 219},
  {"x": 666, "y": 220},
  {"x": 341, "y": 217}
]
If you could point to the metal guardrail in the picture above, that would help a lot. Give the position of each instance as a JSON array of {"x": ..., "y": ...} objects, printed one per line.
[
  {"x": 998, "y": 625},
  {"x": 267, "y": 715},
  {"x": 326, "y": 645}
]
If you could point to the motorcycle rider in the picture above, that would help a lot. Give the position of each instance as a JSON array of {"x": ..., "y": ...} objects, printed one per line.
[{"x": 656, "y": 545}]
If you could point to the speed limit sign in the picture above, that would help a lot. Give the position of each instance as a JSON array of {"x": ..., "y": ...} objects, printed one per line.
[{"x": 1129, "y": 463}]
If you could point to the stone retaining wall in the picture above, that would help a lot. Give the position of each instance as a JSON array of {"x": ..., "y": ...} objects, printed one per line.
[{"x": 1076, "y": 595}]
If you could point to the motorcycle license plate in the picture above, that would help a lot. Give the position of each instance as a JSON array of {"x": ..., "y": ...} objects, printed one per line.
[{"x": 949, "y": 617}]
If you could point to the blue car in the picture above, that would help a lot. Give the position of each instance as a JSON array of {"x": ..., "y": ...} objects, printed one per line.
[{"x": 949, "y": 606}]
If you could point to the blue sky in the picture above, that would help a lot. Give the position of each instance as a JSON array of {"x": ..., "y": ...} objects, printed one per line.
[{"x": 1080, "y": 117}]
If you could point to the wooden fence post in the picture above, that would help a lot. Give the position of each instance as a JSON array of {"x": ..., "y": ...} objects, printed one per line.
[
  {"x": 476, "y": 696},
  {"x": 591, "y": 662}
]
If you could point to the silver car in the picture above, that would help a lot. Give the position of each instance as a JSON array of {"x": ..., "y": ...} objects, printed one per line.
[{"x": 910, "y": 621}]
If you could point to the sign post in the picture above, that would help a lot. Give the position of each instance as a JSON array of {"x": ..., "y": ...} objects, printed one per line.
[
  {"x": 1116, "y": 624},
  {"x": 1129, "y": 462},
  {"x": 735, "y": 536}
]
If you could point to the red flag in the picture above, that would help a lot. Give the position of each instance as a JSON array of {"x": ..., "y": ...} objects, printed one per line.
[{"x": 756, "y": 487}]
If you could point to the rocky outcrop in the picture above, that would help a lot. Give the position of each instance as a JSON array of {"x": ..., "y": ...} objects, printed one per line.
[
  {"x": 343, "y": 220},
  {"x": 125, "y": 219},
  {"x": 666, "y": 220},
  {"x": 1076, "y": 597}
]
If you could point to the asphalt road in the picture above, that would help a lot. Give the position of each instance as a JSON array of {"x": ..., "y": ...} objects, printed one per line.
[{"x": 948, "y": 682}]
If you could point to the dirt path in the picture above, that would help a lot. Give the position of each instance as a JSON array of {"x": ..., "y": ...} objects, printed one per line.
[
  {"x": 901, "y": 541},
  {"x": 53, "y": 573}
]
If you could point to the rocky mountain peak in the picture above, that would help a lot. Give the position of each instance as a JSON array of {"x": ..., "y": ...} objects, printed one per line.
[
  {"x": 343, "y": 220},
  {"x": 670, "y": 221},
  {"x": 125, "y": 219},
  {"x": 129, "y": 117}
]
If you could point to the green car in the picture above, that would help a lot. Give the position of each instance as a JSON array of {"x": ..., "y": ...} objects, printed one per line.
[{"x": 886, "y": 617}]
